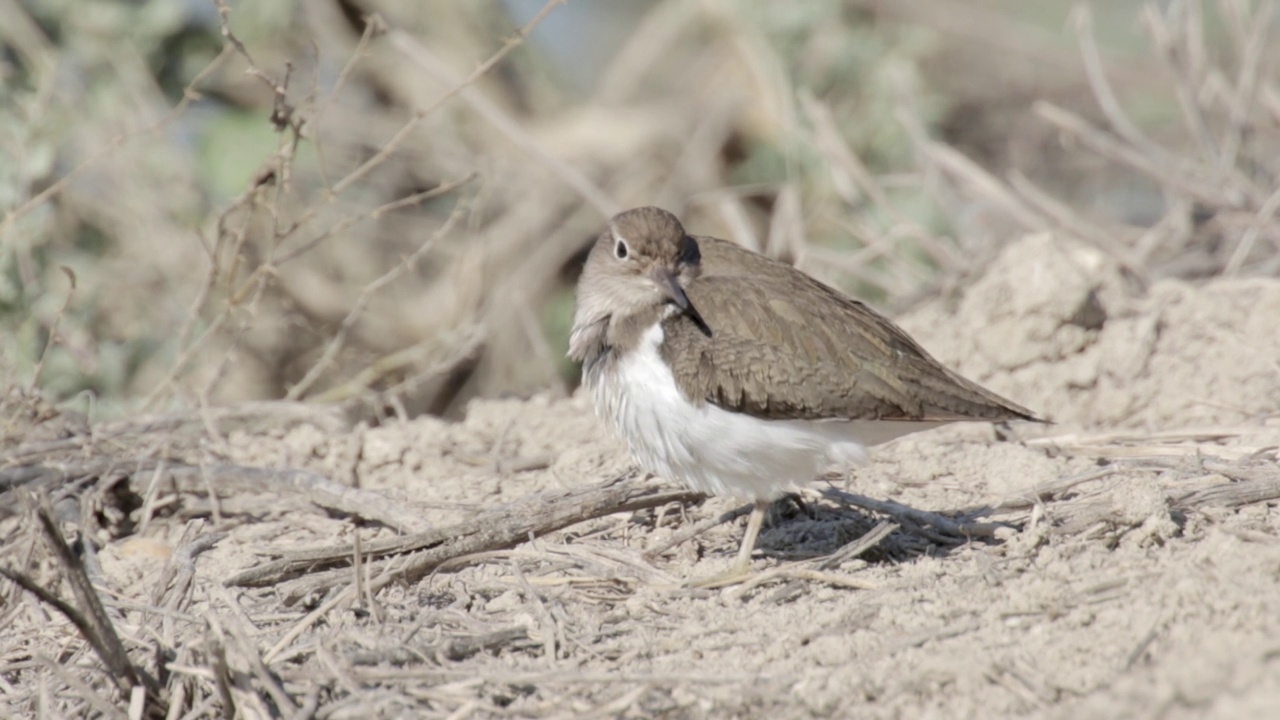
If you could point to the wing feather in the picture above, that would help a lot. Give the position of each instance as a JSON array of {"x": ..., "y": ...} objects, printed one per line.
[{"x": 784, "y": 346}]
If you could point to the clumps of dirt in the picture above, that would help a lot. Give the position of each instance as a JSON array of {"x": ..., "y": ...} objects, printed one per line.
[
  {"x": 1118, "y": 561},
  {"x": 1060, "y": 327},
  {"x": 506, "y": 447}
]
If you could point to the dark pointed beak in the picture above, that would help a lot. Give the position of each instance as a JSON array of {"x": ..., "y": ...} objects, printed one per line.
[{"x": 670, "y": 287}]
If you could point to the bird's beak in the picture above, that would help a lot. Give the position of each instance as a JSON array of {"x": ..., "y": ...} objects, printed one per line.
[{"x": 670, "y": 287}]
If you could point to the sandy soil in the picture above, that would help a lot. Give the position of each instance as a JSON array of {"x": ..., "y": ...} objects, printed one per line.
[{"x": 1135, "y": 592}]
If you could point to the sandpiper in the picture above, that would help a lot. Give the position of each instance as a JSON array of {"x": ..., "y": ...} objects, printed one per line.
[{"x": 740, "y": 375}]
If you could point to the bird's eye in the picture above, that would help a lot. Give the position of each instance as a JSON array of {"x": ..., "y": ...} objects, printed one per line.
[{"x": 621, "y": 250}]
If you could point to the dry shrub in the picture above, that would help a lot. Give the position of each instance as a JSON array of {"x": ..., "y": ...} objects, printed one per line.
[
  {"x": 298, "y": 201},
  {"x": 318, "y": 202}
]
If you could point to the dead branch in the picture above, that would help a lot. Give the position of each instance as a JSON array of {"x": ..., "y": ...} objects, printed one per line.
[
  {"x": 869, "y": 539},
  {"x": 335, "y": 344},
  {"x": 1253, "y": 485},
  {"x": 90, "y": 617},
  {"x": 453, "y": 649},
  {"x": 317, "y": 488},
  {"x": 532, "y": 516},
  {"x": 492, "y": 113},
  {"x": 1045, "y": 491},
  {"x": 320, "y": 490},
  {"x": 697, "y": 529}
]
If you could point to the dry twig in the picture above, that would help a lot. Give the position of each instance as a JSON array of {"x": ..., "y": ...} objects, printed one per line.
[
  {"x": 90, "y": 618},
  {"x": 504, "y": 527}
]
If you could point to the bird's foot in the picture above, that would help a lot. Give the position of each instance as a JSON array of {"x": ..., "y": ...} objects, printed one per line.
[
  {"x": 740, "y": 570},
  {"x": 737, "y": 573}
]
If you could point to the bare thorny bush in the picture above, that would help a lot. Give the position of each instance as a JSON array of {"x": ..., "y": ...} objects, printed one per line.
[{"x": 409, "y": 241}]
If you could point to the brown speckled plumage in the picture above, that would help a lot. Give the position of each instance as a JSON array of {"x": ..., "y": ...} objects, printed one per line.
[
  {"x": 763, "y": 338},
  {"x": 783, "y": 345}
]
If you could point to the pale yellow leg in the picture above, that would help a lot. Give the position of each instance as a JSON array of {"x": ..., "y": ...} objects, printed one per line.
[
  {"x": 741, "y": 568},
  {"x": 753, "y": 531}
]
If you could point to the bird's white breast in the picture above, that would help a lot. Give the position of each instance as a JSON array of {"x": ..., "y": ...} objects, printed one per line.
[{"x": 716, "y": 451}]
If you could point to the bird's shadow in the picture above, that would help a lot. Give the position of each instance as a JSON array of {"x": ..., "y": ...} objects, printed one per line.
[{"x": 798, "y": 529}]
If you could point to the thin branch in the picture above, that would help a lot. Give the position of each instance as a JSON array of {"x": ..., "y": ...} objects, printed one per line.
[
  {"x": 90, "y": 618},
  {"x": 503, "y": 527},
  {"x": 1184, "y": 80},
  {"x": 500, "y": 120},
  {"x": 53, "y": 328},
  {"x": 1183, "y": 176},
  {"x": 406, "y": 201},
  {"x": 357, "y": 309},
  {"x": 514, "y": 41},
  {"x": 1082, "y": 20}
]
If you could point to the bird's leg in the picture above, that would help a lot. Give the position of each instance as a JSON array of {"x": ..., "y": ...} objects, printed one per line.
[
  {"x": 741, "y": 568},
  {"x": 753, "y": 531}
]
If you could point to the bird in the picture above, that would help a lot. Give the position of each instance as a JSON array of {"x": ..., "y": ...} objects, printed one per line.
[{"x": 742, "y": 376}]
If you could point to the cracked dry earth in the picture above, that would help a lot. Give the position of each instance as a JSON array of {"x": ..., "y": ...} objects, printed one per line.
[{"x": 1133, "y": 581}]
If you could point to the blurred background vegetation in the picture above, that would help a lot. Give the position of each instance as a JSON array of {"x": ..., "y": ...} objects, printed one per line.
[{"x": 384, "y": 203}]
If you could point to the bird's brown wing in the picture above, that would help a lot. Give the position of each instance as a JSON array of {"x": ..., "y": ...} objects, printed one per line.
[{"x": 784, "y": 346}]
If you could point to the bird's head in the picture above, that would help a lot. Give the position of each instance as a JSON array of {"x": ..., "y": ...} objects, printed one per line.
[{"x": 641, "y": 262}]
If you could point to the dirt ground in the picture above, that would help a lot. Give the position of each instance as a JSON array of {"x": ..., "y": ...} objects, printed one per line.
[{"x": 1124, "y": 562}]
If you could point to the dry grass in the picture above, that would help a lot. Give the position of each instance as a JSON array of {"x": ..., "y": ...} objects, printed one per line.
[
  {"x": 408, "y": 243},
  {"x": 345, "y": 628},
  {"x": 405, "y": 243}
]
